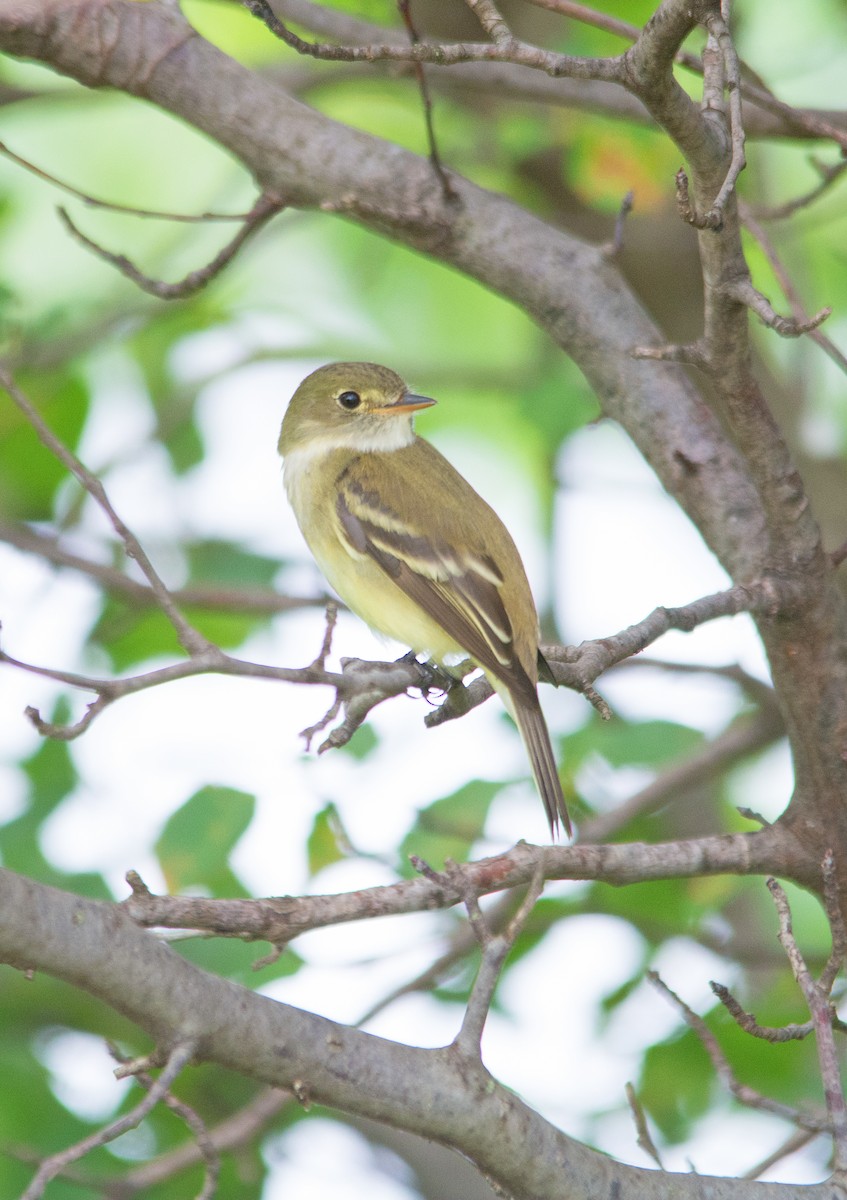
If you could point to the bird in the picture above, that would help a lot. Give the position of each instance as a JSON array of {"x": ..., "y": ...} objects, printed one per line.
[{"x": 410, "y": 546}]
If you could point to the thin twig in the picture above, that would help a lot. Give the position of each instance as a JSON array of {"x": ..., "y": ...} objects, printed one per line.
[
  {"x": 751, "y": 90},
  {"x": 747, "y": 1021},
  {"x": 207, "y": 1149},
  {"x": 111, "y": 205},
  {"x": 728, "y": 71},
  {"x": 492, "y": 21},
  {"x": 743, "y": 292},
  {"x": 796, "y": 1141},
  {"x": 265, "y": 207},
  {"x": 449, "y": 192},
  {"x": 495, "y": 949},
  {"x": 281, "y": 919},
  {"x": 677, "y": 782},
  {"x": 644, "y": 1138},
  {"x": 441, "y": 54},
  {"x": 213, "y": 597},
  {"x": 743, "y": 1094},
  {"x": 239, "y": 1129},
  {"x": 614, "y": 248},
  {"x": 789, "y": 290},
  {"x": 189, "y": 637},
  {"x": 177, "y": 1059},
  {"x": 819, "y": 1009},
  {"x": 832, "y": 904},
  {"x": 829, "y": 173}
]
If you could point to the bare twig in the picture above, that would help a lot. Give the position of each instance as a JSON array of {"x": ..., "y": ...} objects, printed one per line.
[
  {"x": 265, "y": 207},
  {"x": 462, "y": 941},
  {"x": 235, "y": 1131},
  {"x": 331, "y": 617},
  {"x": 802, "y": 321},
  {"x": 819, "y": 1008},
  {"x": 447, "y": 189},
  {"x": 745, "y": 736},
  {"x": 829, "y": 173},
  {"x": 642, "y": 1129},
  {"x": 188, "y": 636},
  {"x": 110, "y": 205},
  {"x": 796, "y": 1141},
  {"x": 615, "y": 247},
  {"x": 492, "y": 21},
  {"x": 443, "y": 55},
  {"x": 727, "y": 74},
  {"x": 748, "y": 1022},
  {"x": 207, "y": 1149},
  {"x": 211, "y": 660},
  {"x": 280, "y": 919},
  {"x": 743, "y": 1094},
  {"x": 743, "y": 291},
  {"x": 177, "y": 1059},
  {"x": 495, "y": 949},
  {"x": 206, "y": 596},
  {"x": 832, "y": 904}
]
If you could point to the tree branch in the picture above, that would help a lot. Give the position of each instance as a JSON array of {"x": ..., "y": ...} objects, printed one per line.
[
  {"x": 436, "y": 1093},
  {"x": 278, "y": 920}
]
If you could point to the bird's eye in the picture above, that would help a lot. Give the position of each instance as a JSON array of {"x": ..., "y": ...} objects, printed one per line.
[{"x": 349, "y": 400}]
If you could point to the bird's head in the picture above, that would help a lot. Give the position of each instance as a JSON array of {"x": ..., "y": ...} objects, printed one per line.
[{"x": 362, "y": 406}]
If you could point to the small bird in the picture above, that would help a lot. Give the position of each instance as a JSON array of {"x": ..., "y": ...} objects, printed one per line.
[{"x": 410, "y": 546}]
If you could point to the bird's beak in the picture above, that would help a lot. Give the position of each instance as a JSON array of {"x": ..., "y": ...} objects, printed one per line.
[{"x": 408, "y": 403}]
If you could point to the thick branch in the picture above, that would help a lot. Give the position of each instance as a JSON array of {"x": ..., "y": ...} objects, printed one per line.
[{"x": 437, "y": 1093}]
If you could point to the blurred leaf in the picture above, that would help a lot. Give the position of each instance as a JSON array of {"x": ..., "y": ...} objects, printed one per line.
[
  {"x": 50, "y": 769},
  {"x": 677, "y": 1085},
  {"x": 448, "y": 827},
  {"x": 621, "y": 742},
  {"x": 131, "y": 636},
  {"x": 152, "y": 346},
  {"x": 224, "y": 562},
  {"x": 327, "y": 840},
  {"x": 247, "y": 963},
  {"x": 195, "y": 844},
  {"x": 363, "y": 741},
  {"x": 29, "y": 473}
]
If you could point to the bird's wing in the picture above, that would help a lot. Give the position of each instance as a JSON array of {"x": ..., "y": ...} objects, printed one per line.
[{"x": 459, "y": 590}]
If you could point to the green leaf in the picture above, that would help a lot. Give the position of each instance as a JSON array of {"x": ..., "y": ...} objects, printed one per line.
[
  {"x": 328, "y": 841},
  {"x": 622, "y": 743},
  {"x": 449, "y": 827},
  {"x": 30, "y": 473},
  {"x": 221, "y": 562},
  {"x": 131, "y": 636},
  {"x": 195, "y": 843},
  {"x": 677, "y": 1085},
  {"x": 243, "y": 962},
  {"x": 50, "y": 769},
  {"x": 363, "y": 741}
]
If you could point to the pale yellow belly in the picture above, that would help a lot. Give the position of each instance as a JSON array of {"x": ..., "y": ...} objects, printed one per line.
[{"x": 372, "y": 595}]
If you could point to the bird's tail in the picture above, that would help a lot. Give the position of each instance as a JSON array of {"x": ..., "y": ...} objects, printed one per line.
[{"x": 536, "y": 736}]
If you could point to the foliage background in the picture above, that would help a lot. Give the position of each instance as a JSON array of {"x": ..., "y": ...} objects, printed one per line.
[{"x": 201, "y": 786}]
